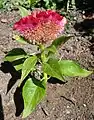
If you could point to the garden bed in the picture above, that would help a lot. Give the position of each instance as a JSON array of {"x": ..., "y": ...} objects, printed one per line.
[{"x": 72, "y": 100}]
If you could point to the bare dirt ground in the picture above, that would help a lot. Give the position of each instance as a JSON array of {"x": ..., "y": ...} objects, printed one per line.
[{"x": 73, "y": 100}]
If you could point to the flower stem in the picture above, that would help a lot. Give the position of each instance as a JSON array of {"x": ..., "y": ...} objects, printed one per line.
[{"x": 43, "y": 59}]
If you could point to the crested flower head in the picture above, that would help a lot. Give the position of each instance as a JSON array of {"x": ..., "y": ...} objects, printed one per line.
[{"x": 41, "y": 26}]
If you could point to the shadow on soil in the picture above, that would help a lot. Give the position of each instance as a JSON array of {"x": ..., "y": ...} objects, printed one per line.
[
  {"x": 86, "y": 26},
  {"x": 7, "y": 67},
  {"x": 18, "y": 99},
  {"x": 1, "y": 109},
  {"x": 87, "y": 5},
  {"x": 54, "y": 81}
]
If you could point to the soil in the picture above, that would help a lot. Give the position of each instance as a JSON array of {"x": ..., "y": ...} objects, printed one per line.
[{"x": 72, "y": 100}]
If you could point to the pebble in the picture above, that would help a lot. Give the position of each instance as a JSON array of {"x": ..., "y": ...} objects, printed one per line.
[
  {"x": 84, "y": 105},
  {"x": 4, "y": 20},
  {"x": 67, "y": 112},
  {"x": 75, "y": 18},
  {"x": 68, "y": 106}
]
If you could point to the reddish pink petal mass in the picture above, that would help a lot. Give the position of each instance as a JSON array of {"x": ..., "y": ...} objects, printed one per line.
[{"x": 41, "y": 26}]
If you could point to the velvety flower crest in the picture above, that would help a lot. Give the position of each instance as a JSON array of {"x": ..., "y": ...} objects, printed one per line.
[{"x": 41, "y": 26}]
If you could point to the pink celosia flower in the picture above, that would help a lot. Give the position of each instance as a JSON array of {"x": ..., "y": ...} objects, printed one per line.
[{"x": 41, "y": 26}]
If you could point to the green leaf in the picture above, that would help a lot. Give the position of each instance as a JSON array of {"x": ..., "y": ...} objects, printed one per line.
[
  {"x": 18, "y": 67},
  {"x": 33, "y": 2},
  {"x": 71, "y": 68},
  {"x": 20, "y": 39},
  {"x": 18, "y": 64},
  {"x": 1, "y": 4},
  {"x": 51, "y": 49},
  {"x": 15, "y": 54},
  {"x": 23, "y": 12},
  {"x": 28, "y": 66},
  {"x": 52, "y": 52},
  {"x": 52, "y": 68},
  {"x": 60, "y": 40},
  {"x": 33, "y": 92}
]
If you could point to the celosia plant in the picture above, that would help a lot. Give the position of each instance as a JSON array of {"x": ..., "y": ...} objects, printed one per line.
[{"x": 43, "y": 28}]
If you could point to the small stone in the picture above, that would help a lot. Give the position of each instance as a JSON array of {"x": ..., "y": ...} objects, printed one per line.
[
  {"x": 67, "y": 112},
  {"x": 84, "y": 105},
  {"x": 4, "y": 20},
  {"x": 83, "y": 12},
  {"x": 68, "y": 106},
  {"x": 75, "y": 18}
]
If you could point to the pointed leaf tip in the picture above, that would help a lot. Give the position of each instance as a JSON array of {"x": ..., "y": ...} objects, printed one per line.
[{"x": 72, "y": 69}]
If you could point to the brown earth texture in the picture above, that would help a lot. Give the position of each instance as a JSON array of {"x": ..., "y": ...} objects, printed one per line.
[{"x": 72, "y": 100}]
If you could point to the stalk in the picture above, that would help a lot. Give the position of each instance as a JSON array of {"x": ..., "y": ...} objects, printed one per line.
[{"x": 43, "y": 59}]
